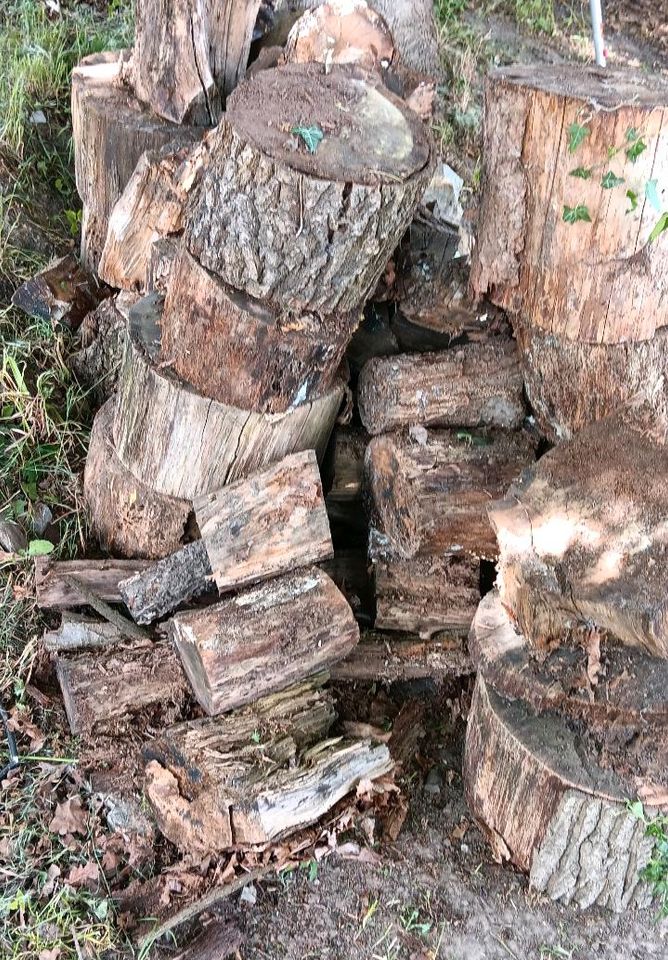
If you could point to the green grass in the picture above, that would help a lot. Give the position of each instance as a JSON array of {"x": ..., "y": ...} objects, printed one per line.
[
  {"x": 536, "y": 15},
  {"x": 655, "y": 874}
]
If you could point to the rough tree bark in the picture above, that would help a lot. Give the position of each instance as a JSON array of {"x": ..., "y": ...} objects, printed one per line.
[
  {"x": 162, "y": 587},
  {"x": 309, "y": 228}
]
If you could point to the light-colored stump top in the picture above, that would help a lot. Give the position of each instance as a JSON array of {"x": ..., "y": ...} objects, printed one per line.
[
  {"x": 607, "y": 88},
  {"x": 370, "y": 136}
]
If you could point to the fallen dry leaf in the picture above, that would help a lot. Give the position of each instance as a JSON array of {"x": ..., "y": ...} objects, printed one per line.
[
  {"x": 70, "y": 817},
  {"x": 460, "y": 831},
  {"x": 87, "y": 875},
  {"x": 52, "y": 954},
  {"x": 593, "y": 648}
]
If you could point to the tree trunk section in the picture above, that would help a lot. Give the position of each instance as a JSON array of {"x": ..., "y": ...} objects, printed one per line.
[
  {"x": 190, "y": 55},
  {"x": 127, "y": 516},
  {"x": 430, "y": 499},
  {"x": 264, "y": 639},
  {"x": 161, "y": 588},
  {"x": 476, "y": 385},
  {"x": 55, "y": 580},
  {"x": 184, "y": 444},
  {"x": 341, "y": 33},
  {"x": 240, "y": 351},
  {"x": 266, "y": 525},
  {"x": 309, "y": 230},
  {"x": 391, "y": 658},
  {"x": 599, "y": 280}
]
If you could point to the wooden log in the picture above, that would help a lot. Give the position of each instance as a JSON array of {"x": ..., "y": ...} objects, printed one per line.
[
  {"x": 102, "y": 336},
  {"x": 150, "y": 208},
  {"x": 164, "y": 586},
  {"x": 341, "y": 31},
  {"x": 552, "y": 811},
  {"x": 570, "y": 384},
  {"x": 268, "y": 524},
  {"x": 264, "y": 639},
  {"x": 391, "y": 658},
  {"x": 315, "y": 241},
  {"x": 431, "y": 498},
  {"x": 127, "y": 516},
  {"x": 55, "y": 580},
  {"x": 77, "y": 632},
  {"x": 138, "y": 678},
  {"x": 162, "y": 259},
  {"x": 189, "y": 56},
  {"x": 582, "y": 539},
  {"x": 64, "y": 292},
  {"x": 111, "y": 130},
  {"x": 529, "y": 255},
  {"x": 184, "y": 444},
  {"x": 240, "y": 351},
  {"x": 475, "y": 385}
]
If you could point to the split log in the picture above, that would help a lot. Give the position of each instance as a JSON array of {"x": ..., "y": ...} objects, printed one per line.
[
  {"x": 268, "y": 524},
  {"x": 183, "y": 444},
  {"x": 150, "y": 208},
  {"x": 391, "y": 658},
  {"x": 162, "y": 258},
  {"x": 315, "y": 240},
  {"x": 601, "y": 279},
  {"x": 77, "y": 632},
  {"x": 64, "y": 292},
  {"x": 627, "y": 688},
  {"x": 475, "y": 385},
  {"x": 431, "y": 498},
  {"x": 240, "y": 351},
  {"x": 264, "y": 639},
  {"x": 161, "y": 588},
  {"x": 341, "y": 31},
  {"x": 127, "y": 516},
  {"x": 570, "y": 384},
  {"x": 111, "y": 130},
  {"x": 101, "y": 691},
  {"x": 189, "y": 56},
  {"x": 582, "y": 539},
  {"x": 554, "y": 813},
  {"x": 55, "y": 580},
  {"x": 102, "y": 335}
]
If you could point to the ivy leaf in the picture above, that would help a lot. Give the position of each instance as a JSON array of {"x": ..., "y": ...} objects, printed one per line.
[
  {"x": 577, "y": 134},
  {"x": 312, "y": 136},
  {"x": 632, "y": 135},
  {"x": 40, "y": 548},
  {"x": 575, "y": 214},
  {"x": 639, "y": 146},
  {"x": 633, "y": 198},
  {"x": 636, "y": 810},
  {"x": 610, "y": 180},
  {"x": 659, "y": 227},
  {"x": 583, "y": 173},
  {"x": 652, "y": 195}
]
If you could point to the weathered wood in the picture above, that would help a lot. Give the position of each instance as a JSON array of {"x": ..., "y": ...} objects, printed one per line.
[
  {"x": 554, "y": 813},
  {"x": 189, "y": 55},
  {"x": 264, "y": 638},
  {"x": 241, "y": 351},
  {"x": 570, "y": 384},
  {"x": 341, "y": 31},
  {"x": 599, "y": 280},
  {"x": 64, "y": 292},
  {"x": 77, "y": 632},
  {"x": 316, "y": 240},
  {"x": 161, "y": 588},
  {"x": 127, "y": 516},
  {"x": 431, "y": 498},
  {"x": 138, "y": 678},
  {"x": 55, "y": 580},
  {"x": 111, "y": 130},
  {"x": 150, "y": 208},
  {"x": 162, "y": 259},
  {"x": 102, "y": 335},
  {"x": 270, "y": 523},
  {"x": 475, "y": 385},
  {"x": 582, "y": 538},
  {"x": 184, "y": 444},
  {"x": 390, "y": 657}
]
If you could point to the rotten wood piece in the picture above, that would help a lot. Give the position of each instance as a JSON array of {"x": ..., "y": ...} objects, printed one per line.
[
  {"x": 161, "y": 588},
  {"x": 341, "y": 31},
  {"x": 56, "y": 580},
  {"x": 552, "y": 811},
  {"x": 64, "y": 292},
  {"x": 429, "y": 498},
  {"x": 475, "y": 385},
  {"x": 140, "y": 677},
  {"x": 267, "y": 524},
  {"x": 184, "y": 444},
  {"x": 391, "y": 657},
  {"x": 264, "y": 638},
  {"x": 316, "y": 243},
  {"x": 78, "y": 632},
  {"x": 582, "y": 538},
  {"x": 189, "y": 56},
  {"x": 563, "y": 250},
  {"x": 240, "y": 351},
  {"x": 127, "y": 516}
]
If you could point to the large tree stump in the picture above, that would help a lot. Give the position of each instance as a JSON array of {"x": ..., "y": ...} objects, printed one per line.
[
  {"x": 243, "y": 352},
  {"x": 184, "y": 444},
  {"x": 550, "y": 808},
  {"x": 127, "y": 516},
  {"x": 264, "y": 639},
  {"x": 432, "y": 498},
  {"x": 189, "y": 55},
  {"x": 476, "y": 385},
  {"x": 582, "y": 539},
  {"x": 111, "y": 130},
  {"x": 309, "y": 227},
  {"x": 599, "y": 279}
]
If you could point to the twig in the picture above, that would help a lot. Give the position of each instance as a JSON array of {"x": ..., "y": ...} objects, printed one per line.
[{"x": 126, "y": 626}]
